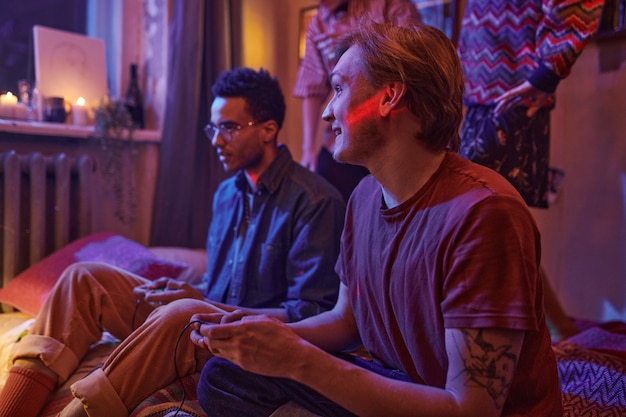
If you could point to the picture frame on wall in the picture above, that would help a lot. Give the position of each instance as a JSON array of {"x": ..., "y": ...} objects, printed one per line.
[
  {"x": 443, "y": 14},
  {"x": 306, "y": 15},
  {"x": 613, "y": 20}
]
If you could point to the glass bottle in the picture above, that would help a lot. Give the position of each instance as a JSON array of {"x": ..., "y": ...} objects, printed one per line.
[{"x": 134, "y": 100}]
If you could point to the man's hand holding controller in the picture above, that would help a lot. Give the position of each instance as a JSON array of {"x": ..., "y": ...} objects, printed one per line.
[
  {"x": 201, "y": 322},
  {"x": 165, "y": 290}
]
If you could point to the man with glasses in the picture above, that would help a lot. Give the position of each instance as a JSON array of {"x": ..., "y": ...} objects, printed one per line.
[{"x": 272, "y": 246}]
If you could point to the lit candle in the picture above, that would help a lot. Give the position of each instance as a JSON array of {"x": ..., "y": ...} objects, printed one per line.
[
  {"x": 80, "y": 115},
  {"x": 7, "y": 105}
]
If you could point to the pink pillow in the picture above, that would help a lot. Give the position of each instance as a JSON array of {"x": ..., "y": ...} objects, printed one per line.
[{"x": 28, "y": 291}]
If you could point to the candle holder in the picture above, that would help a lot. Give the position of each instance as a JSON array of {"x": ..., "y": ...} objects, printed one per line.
[{"x": 54, "y": 110}]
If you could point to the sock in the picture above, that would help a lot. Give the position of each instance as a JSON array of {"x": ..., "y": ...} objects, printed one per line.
[
  {"x": 25, "y": 392},
  {"x": 73, "y": 409}
]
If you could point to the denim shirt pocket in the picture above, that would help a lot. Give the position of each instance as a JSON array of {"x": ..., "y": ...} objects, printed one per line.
[{"x": 272, "y": 266}]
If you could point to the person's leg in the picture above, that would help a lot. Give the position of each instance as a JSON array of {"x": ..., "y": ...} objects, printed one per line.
[
  {"x": 560, "y": 324},
  {"x": 527, "y": 161},
  {"x": 26, "y": 391},
  {"x": 225, "y": 390},
  {"x": 344, "y": 177},
  {"x": 87, "y": 298},
  {"x": 516, "y": 146},
  {"x": 153, "y": 356}
]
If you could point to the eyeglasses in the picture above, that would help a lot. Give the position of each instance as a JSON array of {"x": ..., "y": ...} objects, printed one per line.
[{"x": 226, "y": 129}]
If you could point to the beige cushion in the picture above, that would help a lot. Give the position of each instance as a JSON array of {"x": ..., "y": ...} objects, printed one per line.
[{"x": 195, "y": 258}]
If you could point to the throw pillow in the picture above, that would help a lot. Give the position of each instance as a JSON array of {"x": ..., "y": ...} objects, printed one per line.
[{"x": 28, "y": 291}]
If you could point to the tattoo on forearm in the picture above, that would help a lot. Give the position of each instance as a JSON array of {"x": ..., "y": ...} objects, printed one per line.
[{"x": 489, "y": 366}]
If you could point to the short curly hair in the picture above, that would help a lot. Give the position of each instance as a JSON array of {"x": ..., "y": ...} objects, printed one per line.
[{"x": 262, "y": 93}]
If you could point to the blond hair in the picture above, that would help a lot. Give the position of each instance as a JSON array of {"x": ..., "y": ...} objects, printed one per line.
[{"x": 425, "y": 60}]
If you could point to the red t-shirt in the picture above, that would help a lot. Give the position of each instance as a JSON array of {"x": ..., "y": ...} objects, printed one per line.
[{"x": 463, "y": 252}]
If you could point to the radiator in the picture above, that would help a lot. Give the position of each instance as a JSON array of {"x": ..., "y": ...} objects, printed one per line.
[{"x": 45, "y": 202}]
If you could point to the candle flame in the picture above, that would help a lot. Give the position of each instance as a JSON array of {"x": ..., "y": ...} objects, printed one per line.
[{"x": 80, "y": 101}]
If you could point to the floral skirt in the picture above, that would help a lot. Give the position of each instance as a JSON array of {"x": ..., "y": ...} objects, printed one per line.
[{"x": 516, "y": 146}]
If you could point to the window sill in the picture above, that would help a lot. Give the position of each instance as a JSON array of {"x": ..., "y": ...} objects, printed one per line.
[{"x": 68, "y": 130}]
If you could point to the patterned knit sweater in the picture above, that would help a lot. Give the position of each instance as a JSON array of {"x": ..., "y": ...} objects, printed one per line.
[{"x": 505, "y": 42}]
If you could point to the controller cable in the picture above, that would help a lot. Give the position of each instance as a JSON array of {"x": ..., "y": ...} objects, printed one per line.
[{"x": 178, "y": 376}]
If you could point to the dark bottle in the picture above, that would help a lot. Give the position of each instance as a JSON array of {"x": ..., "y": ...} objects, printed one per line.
[{"x": 134, "y": 101}]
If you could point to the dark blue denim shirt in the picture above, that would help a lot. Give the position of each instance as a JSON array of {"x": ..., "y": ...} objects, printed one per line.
[{"x": 291, "y": 244}]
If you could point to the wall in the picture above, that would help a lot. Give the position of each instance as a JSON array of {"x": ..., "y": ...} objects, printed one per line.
[
  {"x": 270, "y": 40},
  {"x": 584, "y": 232}
]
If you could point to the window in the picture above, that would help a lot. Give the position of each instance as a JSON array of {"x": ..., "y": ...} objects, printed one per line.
[
  {"x": 133, "y": 32},
  {"x": 16, "y": 33}
]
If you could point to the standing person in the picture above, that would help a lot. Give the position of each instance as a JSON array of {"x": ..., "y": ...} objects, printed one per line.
[
  {"x": 439, "y": 266},
  {"x": 514, "y": 53},
  {"x": 272, "y": 245},
  {"x": 334, "y": 18}
]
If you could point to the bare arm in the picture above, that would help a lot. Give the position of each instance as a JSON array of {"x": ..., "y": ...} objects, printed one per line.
[
  {"x": 322, "y": 330},
  {"x": 311, "y": 116},
  {"x": 482, "y": 363},
  {"x": 563, "y": 326},
  {"x": 332, "y": 331}
]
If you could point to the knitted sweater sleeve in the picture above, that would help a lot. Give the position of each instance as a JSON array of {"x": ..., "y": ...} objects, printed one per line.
[{"x": 566, "y": 28}]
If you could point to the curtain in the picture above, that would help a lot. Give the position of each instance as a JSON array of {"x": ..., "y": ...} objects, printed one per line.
[{"x": 201, "y": 45}]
